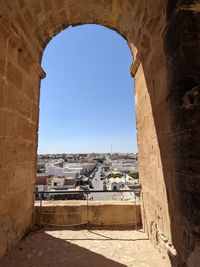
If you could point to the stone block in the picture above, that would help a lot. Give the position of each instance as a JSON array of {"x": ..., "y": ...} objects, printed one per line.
[
  {"x": 26, "y": 152},
  {"x": 4, "y": 180},
  {"x": 22, "y": 224},
  {"x": 71, "y": 215},
  {"x": 25, "y": 62},
  {"x": 3, "y": 242},
  {"x": 96, "y": 214},
  {"x": 14, "y": 75},
  {"x": 140, "y": 82},
  {"x": 2, "y": 92},
  {"x": 47, "y": 5},
  {"x": 17, "y": 101},
  {"x": 3, "y": 41},
  {"x": 12, "y": 51},
  {"x": 35, "y": 113},
  {"x": 48, "y": 215},
  {"x": 1, "y": 151},
  {"x": 21, "y": 3},
  {"x": 29, "y": 198},
  {"x": 17, "y": 204},
  {"x": 2, "y": 65},
  {"x": 9, "y": 153},
  {"x": 25, "y": 129},
  {"x": 6, "y": 123},
  {"x": 31, "y": 90},
  {"x": 18, "y": 180}
]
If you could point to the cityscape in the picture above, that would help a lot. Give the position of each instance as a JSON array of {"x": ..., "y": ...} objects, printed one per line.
[
  {"x": 99, "y": 133},
  {"x": 96, "y": 176}
]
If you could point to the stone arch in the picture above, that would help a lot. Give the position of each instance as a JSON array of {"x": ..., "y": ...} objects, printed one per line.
[{"x": 165, "y": 126}]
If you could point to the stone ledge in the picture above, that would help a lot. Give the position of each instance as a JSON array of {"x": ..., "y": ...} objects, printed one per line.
[
  {"x": 97, "y": 213},
  {"x": 54, "y": 203}
]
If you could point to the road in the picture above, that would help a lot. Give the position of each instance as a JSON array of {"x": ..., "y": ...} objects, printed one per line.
[
  {"x": 97, "y": 182},
  {"x": 98, "y": 185}
]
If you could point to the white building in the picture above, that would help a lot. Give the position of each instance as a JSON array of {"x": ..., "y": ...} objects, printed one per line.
[
  {"x": 116, "y": 183},
  {"x": 40, "y": 189},
  {"x": 61, "y": 182},
  {"x": 49, "y": 168},
  {"x": 124, "y": 182},
  {"x": 124, "y": 165},
  {"x": 56, "y": 182},
  {"x": 58, "y": 171},
  {"x": 72, "y": 171}
]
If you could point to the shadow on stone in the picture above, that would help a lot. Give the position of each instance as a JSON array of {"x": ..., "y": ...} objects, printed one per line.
[{"x": 41, "y": 249}]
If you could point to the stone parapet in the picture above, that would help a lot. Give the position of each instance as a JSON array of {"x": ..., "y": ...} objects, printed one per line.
[{"x": 96, "y": 213}]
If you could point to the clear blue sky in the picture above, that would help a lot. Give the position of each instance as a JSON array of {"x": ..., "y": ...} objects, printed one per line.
[{"x": 87, "y": 97}]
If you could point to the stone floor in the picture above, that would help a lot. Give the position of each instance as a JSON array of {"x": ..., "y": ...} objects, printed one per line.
[{"x": 82, "y": 248}]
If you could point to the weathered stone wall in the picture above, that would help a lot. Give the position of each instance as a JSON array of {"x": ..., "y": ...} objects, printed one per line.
[
  {"x": 19, "y": 91},
  {"x": 97, "y": 213},
  {"x": 155, "y": 203},
  {"x": 182, "y": 50},
  {"x": 162, "y": 35},
  {"x": 153, "y": 123}
]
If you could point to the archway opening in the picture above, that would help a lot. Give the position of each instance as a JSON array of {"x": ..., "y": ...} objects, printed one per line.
[
  {"x": 26, "y": 27},
  {"x": 87, "y": 129}
]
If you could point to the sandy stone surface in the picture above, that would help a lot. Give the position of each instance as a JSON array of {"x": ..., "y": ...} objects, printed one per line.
[{"x": 82, "y": 248}]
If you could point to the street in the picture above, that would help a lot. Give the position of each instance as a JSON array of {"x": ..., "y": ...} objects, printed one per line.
[
  {"x": 98, "y": 185},
  {"x": 97, "y": 182}
]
